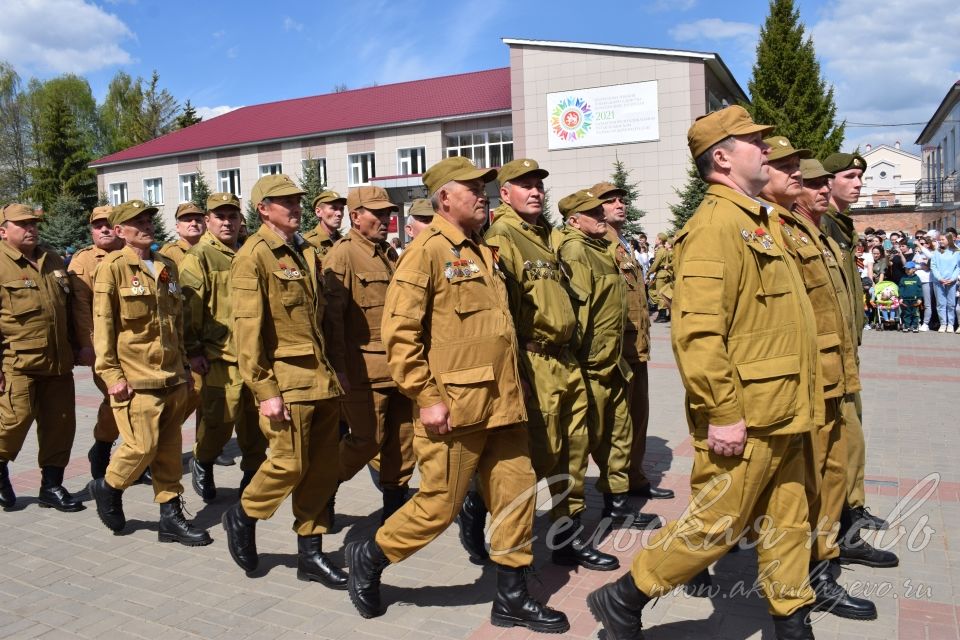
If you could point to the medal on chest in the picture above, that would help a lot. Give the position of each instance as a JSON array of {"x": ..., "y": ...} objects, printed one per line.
[
  {"x": 288, "y": 272},
  {"x": 62, "y": 280},
  {"x": 136, "y": 287}
]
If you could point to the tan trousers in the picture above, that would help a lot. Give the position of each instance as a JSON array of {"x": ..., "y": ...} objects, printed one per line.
[
  {"x": 825, "y": 452},
  {"x": 225, "y": 403},
  {"x": 105, "y": 429},
  {"x": 557, "y": 424},
  {"x": 728, "y": 495},
  {"x": 378, "y": 419},
  {"x": 856, "y": 449},
  {"x": 500, "y": 458},
  {"x": 50, "y": 401},
  {"x": 150, "y": 423},
  {"x": 611, "y": 432},
  {"x": 638, "y": 396},
  {"x": 302, "y": 460}
]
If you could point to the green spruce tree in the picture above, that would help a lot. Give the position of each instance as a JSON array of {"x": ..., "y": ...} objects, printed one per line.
[
  {"x": 201, "y": 191},
  {"x": 65, "y": 224},
  {"x": 621, "y": 180},
  {"x": 787, "y": 89},
  {"x": 62, "y": 158},
  {"x": 252, "y": 218},
  {"x": 690, "y": 198},
  {"x": 312, "y": 186},
  {"x": 188, "y": 118}
]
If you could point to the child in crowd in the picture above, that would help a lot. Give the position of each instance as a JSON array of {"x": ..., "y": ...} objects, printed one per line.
[
  {"x": 911, "y": 296},
  {"x": 886, "y": 296}
]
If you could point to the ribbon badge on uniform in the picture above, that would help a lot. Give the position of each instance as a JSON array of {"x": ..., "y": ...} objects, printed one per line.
[
  {"x": 136, "y": 288},
  {"x": 62, "y": 280},
  {"x": 288, "y": 272},
  {"x": 460, "y": 269},
  {"x": 763, "y": 238},
  {"x": 28, "y": 282}
]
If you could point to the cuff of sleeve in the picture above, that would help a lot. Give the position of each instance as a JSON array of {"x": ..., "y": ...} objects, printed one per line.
[
  {"x": 111, "y": 377},
  {"x": 265, "y": 389},
  {"x": 725, "y": 416},
  {"x": 429, "y": 397}
]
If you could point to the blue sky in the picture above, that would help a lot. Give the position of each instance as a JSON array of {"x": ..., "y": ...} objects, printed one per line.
[{"x": 891, "y": 61}]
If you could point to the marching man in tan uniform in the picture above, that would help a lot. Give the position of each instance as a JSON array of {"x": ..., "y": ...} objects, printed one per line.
[
  {"x": 208, "y": 334},
  {"x": 83, "y": 270},
  {"x": 356, "y": 274},
  {"x": 744, "y": 338},
  {"x": 452, "y": 349},
  {"x": 277, "y": 297},
  {"x": 138, "y": 338},
  {"x": 36, "y": 375},
  {"x": 328, "y": 207}
]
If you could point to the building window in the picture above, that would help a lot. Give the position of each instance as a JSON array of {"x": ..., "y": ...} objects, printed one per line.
[
  {"x": 883, "y": 174},
  {"x": 884, "y": 203},
  {"x": 485, "y": 149},
  {"x": 118, "y": 193},
  {"x": 320, "y": 164},
  {"x": 411, "y": 161},
  {"x": 188, "y": 186},
  {"x": 270, "y": 169},
  {"x": 153, "y": 190},
  {"x": 362, "y": 168},
  {"x": 230, "y": 181}
]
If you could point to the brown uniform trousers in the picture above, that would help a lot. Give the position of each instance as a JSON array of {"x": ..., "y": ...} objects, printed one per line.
[
  {"x": 83, "y": 270},
  {"x": 138, "y": 336},
  {"x": 744, "y": 338},
  {"x": 37, "y": 356},
  {"x": 278, "y": 308},
  {"x": 450, "y": 338},
  {"x": 176, "y": 251},
  {"x": 356, "y": 274}
]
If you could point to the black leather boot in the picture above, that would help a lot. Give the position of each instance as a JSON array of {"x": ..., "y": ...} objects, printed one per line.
[
  {"x": 241, "y": 537},
  {"x": 699, "y": 586},
  {"x": 109, "y": 504},
  {"x": 651, "y": 492},
  {"x": 146, "y": 477},
  {"x": 617, "y": 606},
  {"x": 223, "y": 460},
  {"x": 7, "y": 497},
  {"x": 202, "y": 480},
  {"x": 661, "y": 316},
  {"x": 245, "y": 480},
  {"x": 471, "y": 520},
  {"x": 366, "y": 563},
  {"x": 856, "y": 550},
  {"x": 99, "y": 457},
  {"x": 571, "y": 550},
  {"x": 795, "y": 626},
  {"x": 313, "y": 566},
  {"x": 617, "y": 508},
  {"x": 863, "y": 519},
  {"x": 52, "y": 492},
  {"x": 513, "y": 605},
  {"x": 175, "y": 528},
  {"x": 393, "y": 499},
  {"x": 833, "y": 598}
]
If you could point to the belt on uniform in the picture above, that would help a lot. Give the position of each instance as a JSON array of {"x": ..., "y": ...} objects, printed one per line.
[{"x": 545, "y": 349}]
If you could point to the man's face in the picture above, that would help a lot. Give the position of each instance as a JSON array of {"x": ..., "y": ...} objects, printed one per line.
[
  {"x": 283, "y": 213},
  {"x": 224, "y": 224},
  {"x": 748, "y": 163},
  {"x": 137, "y": 232},
  {"x": 330, "y": 214},
  {"x": 846, "y": 186},
  {"x": 591, "y": 223},
  {"x": 467, "y": 204},
  {"x": 190, "y": 227},
  {"x": 103, "y": 235},
  {"x": 815, "y": 195},
  {"x": 786, "y": 180},
  {"x": 372, "y": 224},
  {"x": 525, "y": 195},
  {"x": 22, "y": 235},
  {"x": 614, "y": 210}
]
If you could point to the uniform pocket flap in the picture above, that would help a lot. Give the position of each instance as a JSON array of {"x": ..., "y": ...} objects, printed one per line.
[
  {"x": 703, "y": 269},
  {"x": 808, "y": 251},
  {"x": 769, "y": 368},
  {"x": 827, "y": 341},
  {"x": 247, "y": 284},
  {"x": 773, "y": 250},
  {"x": 29, "y": 344},
  {"x": 373, "y": 276},
  {"x": 293, "y": 350},
  {"x": 473, "y": 375},
  {"x": 413, "y": 277},
  {"x": 21, "y": 283}
]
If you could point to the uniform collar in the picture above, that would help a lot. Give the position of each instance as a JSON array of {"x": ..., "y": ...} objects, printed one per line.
[
  {"x": 446, "y": 228},
  {"x": 574, "y": 234},
  {"x": 752, "y": 206},
  {"x": 510, "y": 216},
  {"x": 215, "y": 242},
  {"x": 368, "y": 246},
  {"x": 15, "y": 254},
  {"x": 274, "y": 241},
  {"x": 132, "y": 259}
]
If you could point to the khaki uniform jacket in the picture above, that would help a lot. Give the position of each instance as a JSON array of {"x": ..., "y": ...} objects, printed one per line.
[
  {"x": 83, "y": 271},
  {"x": 599, "y": 296},
  {"x": 356, "y": 274},
  {"x": 34, "y": 321},
  {"x": 743, "y": 331},
  {"x": 822, "y": 274},
  {"x": 208, "y": 314},
  {"x": 448, "y": 331},
  {"x": 839, "y": 227},
  {"x": 175, "y": 250},
  {"x": 321, "y": 240},
  {"x": 660, "y": 267},
  {"x": 536, "y": 287},
  {"x": 278, "y": 310},
  {"x": 636, "y": 339},
  {"x": 138, "y": 322}
]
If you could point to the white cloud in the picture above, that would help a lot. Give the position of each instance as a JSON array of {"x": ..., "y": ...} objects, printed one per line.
[
  {"x": 212, "y": 112},
  {"x": 61, "y": 36},
  {"x": 233, "y": 52},
  {"x": 289, "y": 24},
  {"x": 663, "y": 6},
  {"x": 714, "y": 29}
]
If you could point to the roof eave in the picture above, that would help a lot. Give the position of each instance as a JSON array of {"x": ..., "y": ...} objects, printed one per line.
[{"x": 941, "y": 112}]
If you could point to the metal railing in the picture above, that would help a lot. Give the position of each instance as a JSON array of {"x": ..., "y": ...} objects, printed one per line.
[{"x": 938, "y": 191}]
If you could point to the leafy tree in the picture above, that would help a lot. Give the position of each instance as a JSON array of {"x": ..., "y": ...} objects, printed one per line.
[
  {"x": 201, "y": 191},
  {"x": 120, "y": 113},
  {"x": 188, "y": 117},
  {"x": 787, "y": 89},
  {"x": 65, "y": 224},
  {"x": 690, "y": 198},
  {"x": 16, "y": 147},
  {"x": 621, "y": 180},
  {"x": 312, "y": 186},
  {"x": 62, "y": 158},
  {"x": 73, "y": 91}
]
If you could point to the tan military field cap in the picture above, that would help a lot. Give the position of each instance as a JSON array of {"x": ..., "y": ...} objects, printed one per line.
[
  {"x": 607, "y": 190},
  {"x": 837, "y": 162},
  {"x": 710, "y": 129},
  {"x": 187, "y": 208},
  {"x": 129, "y": 210},
  {"x": 220, "y": 199},
  {"x": 100, "y": 213},
  {"x": 812, "y": 169},
  {"x": 780, "y": 148},
  {"x": 455, "y": 168},
  {"x": 17, "y": 211},
  {"x": 520, "y": 167},
  {"x": 421, "y": 208},
  {"x": 583, "y": 200},
  {"x": 327, "y": 197},
  {"x": 372, "y": 198},
  {"x": 274, "y": 185}
]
